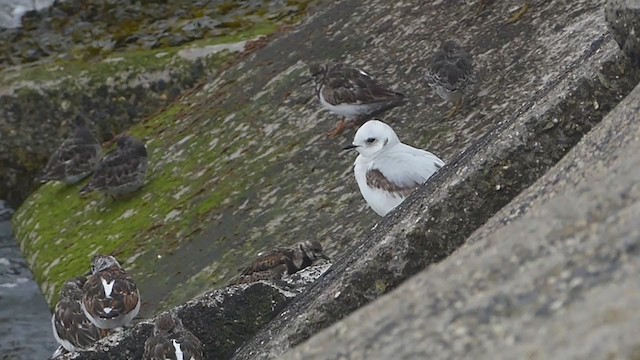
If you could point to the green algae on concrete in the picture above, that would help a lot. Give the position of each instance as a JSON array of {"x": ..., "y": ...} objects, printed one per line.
[
  {"x": 59, "y": 231},
  {"x": 196, "y": 175},
  {"x": 112, "y": 93},
  {"x": 246, "y": 166},
  {"x": 239, "y": 165},
  {"x": 250, "y": 167},
  {"x": 181, "y": 192}
]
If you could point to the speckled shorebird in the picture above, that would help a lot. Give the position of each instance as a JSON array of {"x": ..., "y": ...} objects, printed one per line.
[
  {"x": 110, "y": 297},
  {"x": 451, "y": 74},
  {"x": 352, "y": 93},
  {"x": 122, "y": 172},
  {"x": 71, "y": 327},
  {"x": 388, "y": 171},
  {"x": 76, "y": 158},
  {"x": 171, "y": 340},
  {"x": 275, "y": 263}
]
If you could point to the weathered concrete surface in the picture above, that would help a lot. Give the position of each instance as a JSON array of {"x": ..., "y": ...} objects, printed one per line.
[
  {"x": 623, "y": 18},
  {"x": 570, "y": 99},
  {"x": 222, "y": 319},
  {"x": 553, "y": 275},
  {"x": 243, "y": 164}
]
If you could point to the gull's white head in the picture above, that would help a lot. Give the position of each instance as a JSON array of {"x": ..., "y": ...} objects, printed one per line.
[{"x": 374, "y": 137}]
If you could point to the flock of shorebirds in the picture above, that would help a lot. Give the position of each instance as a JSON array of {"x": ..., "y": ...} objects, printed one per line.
[{"x": 386, "y": 171}]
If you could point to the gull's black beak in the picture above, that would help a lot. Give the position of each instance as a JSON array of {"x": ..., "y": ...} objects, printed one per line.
[
  {"x": 349, "y": 147},
  {"x": 306, "y": 81}
]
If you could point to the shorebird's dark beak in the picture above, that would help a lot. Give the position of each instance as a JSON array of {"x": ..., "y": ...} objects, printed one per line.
[
  {"x": 349, "y": 147},
  {"x": 89, "y": 273},
  {"x": 323, "y": 256}
]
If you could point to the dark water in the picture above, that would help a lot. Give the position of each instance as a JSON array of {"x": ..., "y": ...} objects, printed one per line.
[{"x": 25, "y": 319}]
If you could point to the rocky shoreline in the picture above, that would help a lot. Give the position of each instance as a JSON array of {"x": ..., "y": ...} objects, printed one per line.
[
  {"x": 116, "y": 63},
  {"x": 241, "y": 164},
  {"x": 83, "y": 30}
]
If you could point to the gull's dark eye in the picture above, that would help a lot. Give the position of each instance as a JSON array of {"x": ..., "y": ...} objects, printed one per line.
[{"x": 370, "y": 140}]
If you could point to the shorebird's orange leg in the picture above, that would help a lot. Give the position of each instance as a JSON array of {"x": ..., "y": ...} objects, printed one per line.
[
  {"x": 456, "y": 107},
  {"x": 338, "y": 130}
]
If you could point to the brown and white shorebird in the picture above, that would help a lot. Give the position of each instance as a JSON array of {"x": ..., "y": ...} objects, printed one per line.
[
  {"x": 451, "y": 74},
  {"x": 76, "y": 158},
  {"x": 121, "y": 172},
  {"x": 386, "y": 170},
  {"x": 110, "y": 296},
  {"x": 276, "y": 263},
  {"x": 171, "y": 340},
  {"x": 351, "y": 93},
  {"x": 71, "y": 327}
]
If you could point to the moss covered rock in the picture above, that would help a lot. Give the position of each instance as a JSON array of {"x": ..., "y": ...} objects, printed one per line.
[
  {"x": 86, "y": 29},
  {"x": 37, "y": 102},
  {"x": 242, "y": 163},
  {"x": 115, "y": 62}
]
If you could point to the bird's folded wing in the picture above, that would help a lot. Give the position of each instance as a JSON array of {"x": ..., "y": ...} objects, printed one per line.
[
  {"x": 191, "y": 345},
  {"x": 352, "y": 86},
  {"x": 266, "y": 262},
  {"x": 72, "y": 325},
  {"x": 157, "y": 347},
  {"x": 57, "y": 165},
  {"x": 449, "y": 76},
  {"x": 116, "y": 172},
  {"x": 83, "y": 160},
  {"x": 402, "y": 172}
]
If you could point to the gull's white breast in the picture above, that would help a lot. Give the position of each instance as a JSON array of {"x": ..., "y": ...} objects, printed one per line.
[
  {"x": 402, "y": 165},
  {"x": 379, "y": 200}
]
